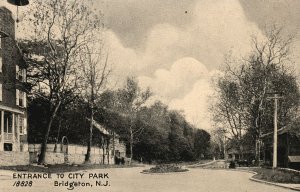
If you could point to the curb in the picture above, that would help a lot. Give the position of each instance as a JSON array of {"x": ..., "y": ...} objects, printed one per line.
[
  {"x": 275, "y": 184},
  {"x": 267, "y": 182},
  {"x": 169, "y": 173}
]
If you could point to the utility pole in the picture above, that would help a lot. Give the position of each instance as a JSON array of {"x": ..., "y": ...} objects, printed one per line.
[
  {"x": 276, "y": 97},
  {"x": 275, "y": 132}
]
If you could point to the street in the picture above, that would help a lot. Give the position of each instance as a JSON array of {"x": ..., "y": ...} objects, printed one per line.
[{"x": 131, "y": 180}]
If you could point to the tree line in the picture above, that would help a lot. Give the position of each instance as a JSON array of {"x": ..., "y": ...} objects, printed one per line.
[{"x": 152, "y": 133}]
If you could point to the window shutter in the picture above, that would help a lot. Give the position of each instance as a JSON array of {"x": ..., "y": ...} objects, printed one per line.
[
  {"x": 24, "y": 99},
  {"x": 24, "y": 75},
  {"x": 17, "y": 71},
  {"x": 24, "y": 125},
  {"x": 17, "y": 96},
  {"x": 1, "y": 91}
]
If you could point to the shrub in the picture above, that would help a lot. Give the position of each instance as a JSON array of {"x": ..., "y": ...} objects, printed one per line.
[
  {"x": 165, "y": 168},
  {"x": 232, "y": 165},
  {"x": 119, "y": 160},
  {"x": 277, "y": 175}
]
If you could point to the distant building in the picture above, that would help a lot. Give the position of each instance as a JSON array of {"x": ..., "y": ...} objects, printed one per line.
[
  {"x": 13, "y": 102},
  {"x": 288, "y": 149}
]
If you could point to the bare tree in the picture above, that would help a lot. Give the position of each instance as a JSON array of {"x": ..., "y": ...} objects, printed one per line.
[
  {"x": 218, "y": 140},
  {"x": 62, "y": 28},
  {"x": 95, "y": 70},
  {"x": 243, "y": 89}
]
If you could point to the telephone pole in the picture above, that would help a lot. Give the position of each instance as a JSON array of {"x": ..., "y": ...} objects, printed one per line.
[{"x": 276, "y": 97}]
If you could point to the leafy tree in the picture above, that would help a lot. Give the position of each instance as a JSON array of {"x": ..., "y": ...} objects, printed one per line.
[
  {"x": 201, "y": 144},
  {"x": 180, "y": 147},
  {"x": 165, "y": 134},
  {"x": 130, "y": 101}
]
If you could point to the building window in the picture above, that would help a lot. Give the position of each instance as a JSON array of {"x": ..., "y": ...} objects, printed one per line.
[
  {"x": 20, "y": 98},
  {"x": 8, "y": 147},
  {"x": 21, "y": 124},
  {"x": 20, "y": 74},
  {"x": 7, "y": 122}
]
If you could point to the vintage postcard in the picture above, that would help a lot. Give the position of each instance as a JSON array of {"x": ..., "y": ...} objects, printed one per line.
[{"x": 149, "y": 95}]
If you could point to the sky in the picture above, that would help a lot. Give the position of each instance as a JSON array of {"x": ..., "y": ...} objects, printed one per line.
[{"x": 176, "y": 47}]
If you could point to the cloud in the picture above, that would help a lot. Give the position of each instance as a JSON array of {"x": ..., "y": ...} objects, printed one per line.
[
  {"x": 215, "y": 28},
  {"x": 178, "y": 80},
  {"x": 178, "y": 62},
  {"x": 124, "y": 61},
  {"x": 186, "y": 86},
  {"x": 196, "y": 104}
]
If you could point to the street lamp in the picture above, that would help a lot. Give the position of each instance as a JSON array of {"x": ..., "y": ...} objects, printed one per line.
[{"x": 18, "y": 3}]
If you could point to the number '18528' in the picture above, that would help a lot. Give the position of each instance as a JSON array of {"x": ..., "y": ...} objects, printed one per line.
[{"x": 22, "y": 183}]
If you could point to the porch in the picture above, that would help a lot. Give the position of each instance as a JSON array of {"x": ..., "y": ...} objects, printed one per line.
[{"x": 12, "y": 130}]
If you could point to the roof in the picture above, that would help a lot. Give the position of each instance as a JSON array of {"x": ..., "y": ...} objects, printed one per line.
[
  {"x": 294, "y": 159},
  {"x": 103, "y": 130},
  {"x": 279, "y": 132},
  {"x": 100, "y": 127}
]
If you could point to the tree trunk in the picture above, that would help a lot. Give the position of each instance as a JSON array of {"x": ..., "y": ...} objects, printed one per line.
[
  {"x": 103, "y": 155},
  {"x": 114, "y": 150},
  {"x": 89, "y": 144},
  {"x": 107, "y": 150},
  {"x": 41, "y": 159},
  {"x": 57, "y": 137},
  {"x": 241, "y": 153},
  {"x": 131, "y": 143},
  {"x": 103, "y": 149},
  {"x": 259, "y": 149}
]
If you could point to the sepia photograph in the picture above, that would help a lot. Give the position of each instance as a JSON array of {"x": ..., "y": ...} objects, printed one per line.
[{"x": 149, "y": 95}]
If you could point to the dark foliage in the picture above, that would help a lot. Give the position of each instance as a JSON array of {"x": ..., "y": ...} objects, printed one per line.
[{"x": 165, "y": 135}]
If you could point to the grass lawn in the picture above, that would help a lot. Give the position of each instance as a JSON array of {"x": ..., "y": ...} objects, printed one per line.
[
  {"x": 60, "y": 168},
  {"x": 277, "y": 175}
]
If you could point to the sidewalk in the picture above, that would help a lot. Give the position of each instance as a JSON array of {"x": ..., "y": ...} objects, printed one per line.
[
  {"x": 295, "y": 187},
  {"x": 6, "y": 174}
]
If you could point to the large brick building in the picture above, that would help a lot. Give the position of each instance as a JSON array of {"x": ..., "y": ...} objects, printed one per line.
[{"x": 13, "y": 115}]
